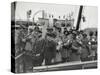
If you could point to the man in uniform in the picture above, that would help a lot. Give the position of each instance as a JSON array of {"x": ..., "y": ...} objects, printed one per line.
[
  {"x": 49, "y": 48},
  {"x": 75, "y": 48},
  {"x": 65, "y": 51},
  {"x": 85, "y": 52},
  {"x": 33, "y": 52},
  {"x": 93, "y": 48},
  {"x": 20, "y": 43}
]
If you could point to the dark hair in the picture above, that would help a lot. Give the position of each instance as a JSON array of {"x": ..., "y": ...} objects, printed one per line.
[
  {"x": 91, "y": 33},
  {"x": 96, "y": 33},
  {"x": 74, "y": 35},
  {"x": 49, "y": 29},
  {"x": 66, "y": 33},
  {"x": 36, "y": 28},
  {"x": 63, "y": 24},
  {"x": 51, "y": 35},
  {"x": 84, "y": 35},
  {"x": 81, "y": 31}
]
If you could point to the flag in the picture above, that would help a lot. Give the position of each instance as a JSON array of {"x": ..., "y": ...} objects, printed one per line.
[{"x": 29, "y": 13}]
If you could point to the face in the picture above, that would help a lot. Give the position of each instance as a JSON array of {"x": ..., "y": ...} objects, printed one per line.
[
  {"x": 79, "y": 37},
  {"x": 73, "y": 36},
  {"x": 49, "y": 38},
  {"x": 68, "y": 28}
]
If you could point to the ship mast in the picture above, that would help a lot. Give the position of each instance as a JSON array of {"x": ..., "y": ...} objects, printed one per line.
[{"x": 79, "y": 17}]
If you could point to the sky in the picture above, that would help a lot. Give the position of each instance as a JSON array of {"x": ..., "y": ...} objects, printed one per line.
[{"x": 90, "y": 12}]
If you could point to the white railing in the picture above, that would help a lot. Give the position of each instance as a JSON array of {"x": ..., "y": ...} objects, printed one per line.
[{"x": 55, "y": 67}]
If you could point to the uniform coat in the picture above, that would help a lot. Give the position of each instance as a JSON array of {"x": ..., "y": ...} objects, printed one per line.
[
  {"x": 75, "y": 54},
  {"x": 49, "y": 51},
  {"x": 85, "y": 50}
]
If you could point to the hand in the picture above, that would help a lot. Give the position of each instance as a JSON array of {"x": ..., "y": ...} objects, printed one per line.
[
  {"x": 37, "y": 54},
  {"x": 23, "y": 40}
]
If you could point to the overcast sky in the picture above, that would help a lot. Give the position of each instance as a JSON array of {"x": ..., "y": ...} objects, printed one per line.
[{"x": 90, "y": 12}]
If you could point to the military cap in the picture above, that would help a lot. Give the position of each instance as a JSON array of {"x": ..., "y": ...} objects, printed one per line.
[
  {"x": 84, "y": 35},
  {"x": 51, "y": 35},
  {"x": 36, "y": 28}
]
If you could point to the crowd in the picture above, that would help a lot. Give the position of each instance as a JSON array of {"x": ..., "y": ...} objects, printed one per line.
[{"x": 58, "y": 46}]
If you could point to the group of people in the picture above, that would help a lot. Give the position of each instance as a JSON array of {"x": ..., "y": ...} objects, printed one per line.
[{"x": 57, "y": 46}]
